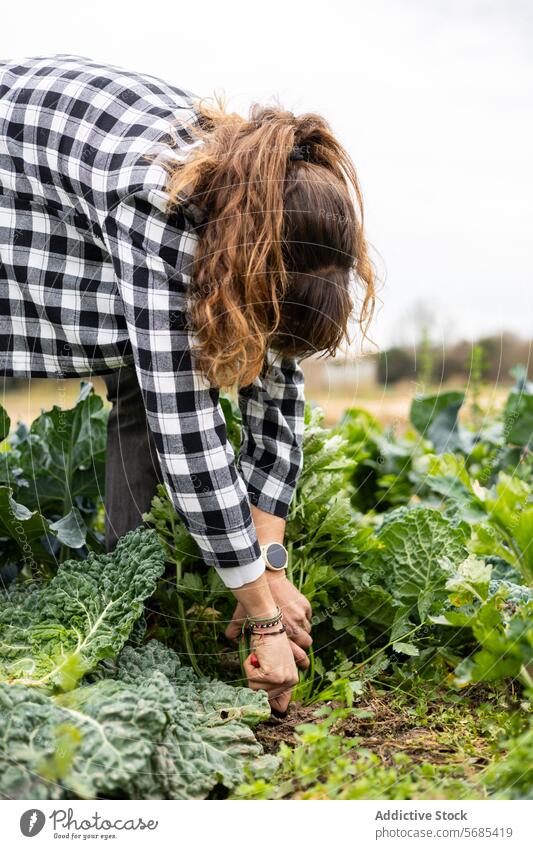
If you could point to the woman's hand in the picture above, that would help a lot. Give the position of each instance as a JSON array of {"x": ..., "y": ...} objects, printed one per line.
[
  {"x": 276, "y": 653},
  {"x": 294, "y": 606},
  {"x": 276, "y": 673},
  {"x": 296, "y": 615}
]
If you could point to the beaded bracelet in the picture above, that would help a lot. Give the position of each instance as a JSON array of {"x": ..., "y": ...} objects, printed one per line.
[
  {"x": 267, "y": 633},
  {"x": 265, "y": 622},
  {"x": 251, "y": 623}
]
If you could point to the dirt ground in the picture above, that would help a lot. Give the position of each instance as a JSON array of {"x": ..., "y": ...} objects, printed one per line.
[{"x": 386, "y": 732}]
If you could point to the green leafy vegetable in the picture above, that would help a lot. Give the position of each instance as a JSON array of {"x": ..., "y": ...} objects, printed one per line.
[
  {"x": 415, "y": 542},
  {"x": 434, "y": 590},
  {"x": 83, "y": 615},
  {"x": 518, "y": 413},
  {"x": 511, "y": 776},
  {"x": 144, "y": 734},
  {"x": 62, "y": 455},
  {"x": 26, "y": 530},
  {"x": 436, "y": 417}
]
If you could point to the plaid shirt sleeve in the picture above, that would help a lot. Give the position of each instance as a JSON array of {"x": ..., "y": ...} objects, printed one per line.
[
  {"x": 151, "y": 255},
  {"x": 270, "y": 458}
]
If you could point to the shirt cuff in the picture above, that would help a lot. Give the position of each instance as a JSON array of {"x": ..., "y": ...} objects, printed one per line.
[
  {"x": 236, "y": 576},
  {"x": 269, "y": 504}
]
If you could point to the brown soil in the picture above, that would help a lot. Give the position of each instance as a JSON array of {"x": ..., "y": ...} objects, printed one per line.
[
  {"x": 281, "y": 730},
  {"x": 386, "y": 733}
]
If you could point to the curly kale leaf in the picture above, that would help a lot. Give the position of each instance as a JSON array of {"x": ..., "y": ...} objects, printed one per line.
[
  {"x": 208, "y": 739},
  {"x": 116, "y": 726},
  {"x": 137, "y": 664},
  {"x": 56, "y": 634},
  {"x": 147, "y": 733},
  {"x": 410, "y": 563}
]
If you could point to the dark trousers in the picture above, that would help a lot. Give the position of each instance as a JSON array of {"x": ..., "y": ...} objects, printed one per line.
[{"x": 132, "y": 469}]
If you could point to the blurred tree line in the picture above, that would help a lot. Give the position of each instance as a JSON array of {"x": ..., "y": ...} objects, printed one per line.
[{"x": 489, "y": 358}]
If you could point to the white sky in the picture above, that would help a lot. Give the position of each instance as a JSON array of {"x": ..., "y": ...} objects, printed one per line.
[{"x": 432, "y": 99}]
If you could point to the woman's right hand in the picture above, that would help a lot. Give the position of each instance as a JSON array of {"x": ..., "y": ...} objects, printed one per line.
[
  {"x": 276, "y": 653},
  {"x": 276, "y": 673}
]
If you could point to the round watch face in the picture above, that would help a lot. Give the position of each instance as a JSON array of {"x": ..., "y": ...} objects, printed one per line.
[{"x": 276, "y": 555}]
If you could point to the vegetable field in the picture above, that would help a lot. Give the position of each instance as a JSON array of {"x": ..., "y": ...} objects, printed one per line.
[{"x": 415, "y": 551}]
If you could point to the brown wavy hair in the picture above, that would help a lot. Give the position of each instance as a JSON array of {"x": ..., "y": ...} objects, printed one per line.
[{"x": 282, "y": 241}]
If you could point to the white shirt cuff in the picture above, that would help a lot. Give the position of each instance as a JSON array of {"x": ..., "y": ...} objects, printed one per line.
[{"x": 236, "y": 576}]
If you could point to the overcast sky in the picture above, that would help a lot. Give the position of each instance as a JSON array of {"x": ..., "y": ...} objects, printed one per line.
[{"x": 432, "y": 98}]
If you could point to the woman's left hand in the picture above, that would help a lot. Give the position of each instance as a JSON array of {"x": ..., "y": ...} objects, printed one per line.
[{"x": 294, "y": 606}]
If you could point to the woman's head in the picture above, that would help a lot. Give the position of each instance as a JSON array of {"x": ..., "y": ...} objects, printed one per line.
[{"x": 282, "y": 244}]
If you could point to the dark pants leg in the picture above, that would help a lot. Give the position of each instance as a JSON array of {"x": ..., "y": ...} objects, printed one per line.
[{"x": 132, "y": 469}]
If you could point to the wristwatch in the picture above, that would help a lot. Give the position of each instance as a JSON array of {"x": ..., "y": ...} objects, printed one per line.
[{"x": 275, "y": 556}]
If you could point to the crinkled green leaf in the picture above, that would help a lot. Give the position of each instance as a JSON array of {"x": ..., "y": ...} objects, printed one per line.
[
  {"x": 26, "y": 738},
  {"x": 469, "y": 579},
  {"x": 140, "y": 735},
  {"x": 208, "y": 741},
  {"x": 136, "y": 664},
  {"x": 190, "y": 761},
  {"x": 414, "y": 543},
  {"x": 117, "y": 724},
  {"x": 85, "y": 612},
  {"x": 514, "y": 594}
]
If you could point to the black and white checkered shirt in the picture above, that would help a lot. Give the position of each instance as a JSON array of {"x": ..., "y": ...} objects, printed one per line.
[{"x": 94, "y": 275}]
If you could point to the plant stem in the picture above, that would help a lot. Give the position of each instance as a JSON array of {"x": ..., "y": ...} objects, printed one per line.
[
  {"x": 388, "y": 645},
  {"x": 302, "y": 575},
  {"x": 187, "y": 638},
  {"x": 181, "y": 610},
  {"x": 526, "y": 678},
  {"x": 289, "y": 561},
  {"x": 304, "y": 687},
  {"x": 244, "y": 651}
]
